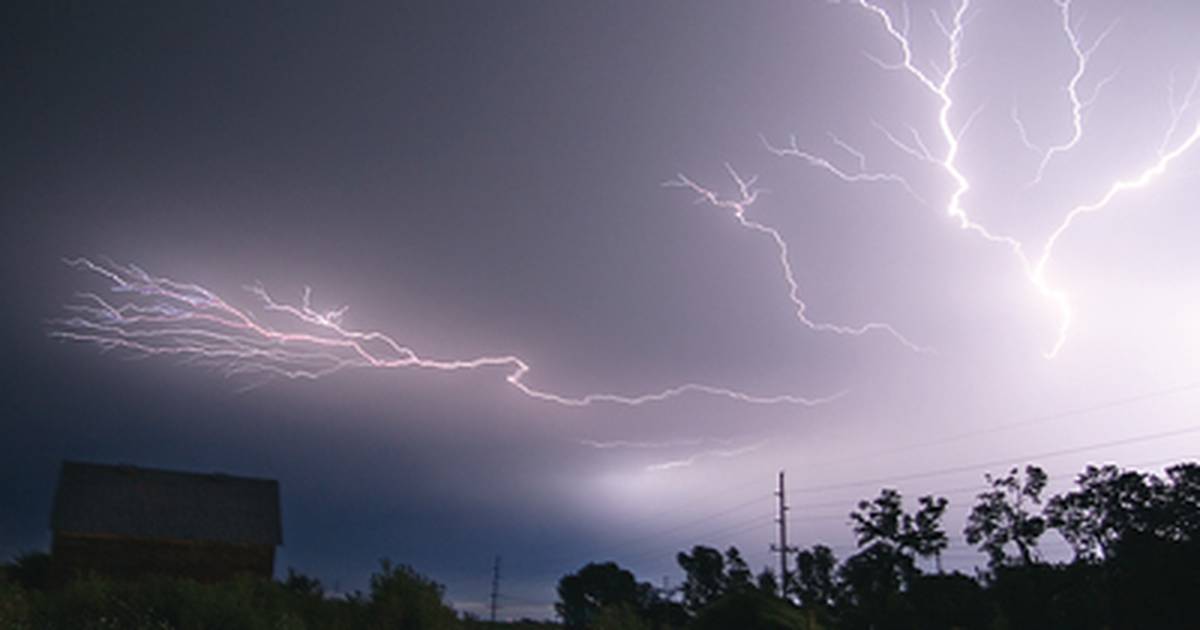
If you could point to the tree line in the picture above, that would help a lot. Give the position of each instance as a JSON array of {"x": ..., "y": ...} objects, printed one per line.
[{"x": 1135, "y": 539}]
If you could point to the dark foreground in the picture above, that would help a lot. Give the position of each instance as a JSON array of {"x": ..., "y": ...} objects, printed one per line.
[{"x": 1136, "y": 539}]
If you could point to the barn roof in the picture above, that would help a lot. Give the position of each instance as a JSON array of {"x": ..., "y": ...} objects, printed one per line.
[{"x": 135, "y": 502}]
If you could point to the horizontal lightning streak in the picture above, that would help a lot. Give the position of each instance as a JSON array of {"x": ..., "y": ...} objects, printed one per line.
[
  {"x": 690, "y": 461},
  {"x": 718, "y": 448},
  {"x": 165, "y": 317},
  {"x": 643, "y": 445}
]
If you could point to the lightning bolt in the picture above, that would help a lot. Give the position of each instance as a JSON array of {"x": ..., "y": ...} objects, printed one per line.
[
  {"x": 719, "y": 448},
  {"x": 938, "y": 83},
  {"x": 690, "y": 461},
  {"x": 747, "y": 195},
  {"x": 862, "y": 175},
  {"x": 604, "y": 445},
  {"x": 1079, "y": 105},
  {"x": 1145, "y": 178},
  {"x": 160, "y": 316}
]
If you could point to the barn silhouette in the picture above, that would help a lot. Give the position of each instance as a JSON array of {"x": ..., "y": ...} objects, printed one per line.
[{"x": 126, "y": 521}]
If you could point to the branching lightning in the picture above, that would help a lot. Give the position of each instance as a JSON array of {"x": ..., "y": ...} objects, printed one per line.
[
  {"x": 747, "y": 195},
  {"x": 160, "y": 316},
  {"x": 861, "y": 175},
  {"x": 939, "y": 83},
  {"x": 1079, "y": 105},
  {"x": 157, "y": 316}
]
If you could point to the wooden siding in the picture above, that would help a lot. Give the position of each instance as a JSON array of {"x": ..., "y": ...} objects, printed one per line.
[{"x": 115, "y": 556}]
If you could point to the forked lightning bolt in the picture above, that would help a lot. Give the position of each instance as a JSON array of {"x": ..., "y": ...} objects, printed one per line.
[
  {"x": 1079, "y": 105},
  {"x": 747, "y": 195},
  {"x": 939, "y": 82},
  {"x": 861, "y": 175},
  {"x": 158, "y": 316}
]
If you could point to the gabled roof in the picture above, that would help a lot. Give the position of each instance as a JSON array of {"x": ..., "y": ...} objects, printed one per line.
[{"x": 128, "y": 501}]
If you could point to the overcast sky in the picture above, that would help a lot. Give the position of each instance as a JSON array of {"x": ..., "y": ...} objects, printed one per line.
[{"x": 486, "y": 178}]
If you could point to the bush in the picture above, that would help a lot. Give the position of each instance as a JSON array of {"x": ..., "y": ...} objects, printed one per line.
[
  {"x": 14, "y": 606},
  {"x": 402, "y": 599}
]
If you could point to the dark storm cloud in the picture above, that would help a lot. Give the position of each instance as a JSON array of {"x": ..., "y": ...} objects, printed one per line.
[{"x": 485, "y": 178}]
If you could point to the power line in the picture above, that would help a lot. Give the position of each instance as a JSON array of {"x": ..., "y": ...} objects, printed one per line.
[
  {"x": 1045, "y": 418},
  {"x": 760, "y": 521},
  {"x": 742, "y": 526},
  {"x": 757, "y": 522},
  {"x": 725, "y": 530},
  {"x": 945, "y": 471},
  {"x": 1006, "y": 461},
  {"x": 1059, "y": 415},
  {"x": 964, "y": 552},
  {"x": 608, "y": 549},
  {"x": 738, "y": 528}
]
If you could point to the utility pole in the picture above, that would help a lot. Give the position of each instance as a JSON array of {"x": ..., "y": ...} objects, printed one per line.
[
  {"x": 782, "y": 547},
  {"x": 495, "y": 588}
]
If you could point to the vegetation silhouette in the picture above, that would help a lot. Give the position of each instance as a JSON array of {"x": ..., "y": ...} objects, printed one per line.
[
  {"x": 1001, "y": 516},
  {"x": 1135, "y": 539}
]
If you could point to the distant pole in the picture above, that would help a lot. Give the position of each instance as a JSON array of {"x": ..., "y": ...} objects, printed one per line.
[
  {"x": 782, "y": 547},
  {"x": 495, "y": 588}
]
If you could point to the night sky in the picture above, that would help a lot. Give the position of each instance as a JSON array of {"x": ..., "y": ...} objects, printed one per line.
[{"x": 481, "y": 179}]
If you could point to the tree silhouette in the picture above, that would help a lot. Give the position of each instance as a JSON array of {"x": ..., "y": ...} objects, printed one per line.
[
  {"x": 1001, "y": 516},
  {"x": 1179, "y": 505},
  {"x": 1108, "y": 504},
  {"x": 1136, "y": 535},
  {"x": 737, "y": 574},
  {"x": 870, "y": 585},
  {"x": 619, "y": 617},
  {"x": 403, "y": 598},
  {"x": 925, "y": 537},
  {"x": 814, "y": 581},
  {"x": 884, "y": 521},
  {"x": 705, "y": 578},
  {"x": 948, "y": 601},
  {"x": 872, "y": 581},
  {"x": 880, "y": 519},
  {"x": 584, "y": 595},
  {"x": 748, "y": 610},
  {"x": 33, "y": 571},
  {"x": 766, "y": 581}
]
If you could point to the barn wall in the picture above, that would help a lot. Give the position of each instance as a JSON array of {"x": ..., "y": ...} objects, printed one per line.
[{"x": 127, "y": 558}]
